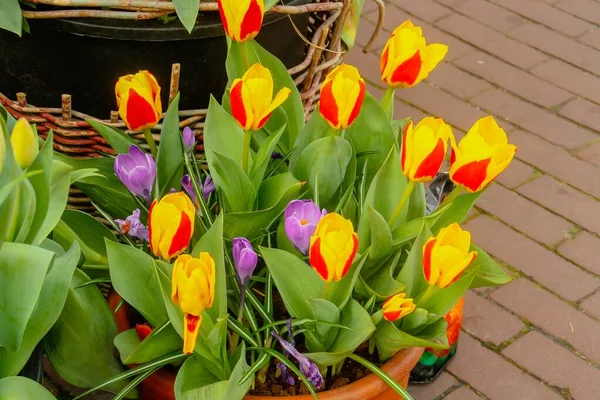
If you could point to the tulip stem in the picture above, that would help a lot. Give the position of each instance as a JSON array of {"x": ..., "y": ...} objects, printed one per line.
[
  {"x": 246, "y": 150},
  {"x": 151, "y": 142},
  {"x": 326, "y": 290},
  {"x": 244, "y": 55},
  {"x": 426, "y": 296},
  {"x": 400, "y": 206},
  {"x": 386, "y": 102}
]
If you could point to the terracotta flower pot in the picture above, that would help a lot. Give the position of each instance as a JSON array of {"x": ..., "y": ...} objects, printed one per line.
[{"x": 159, "y": 386}]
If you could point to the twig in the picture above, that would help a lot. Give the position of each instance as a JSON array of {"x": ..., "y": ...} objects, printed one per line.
[{"x": 378, "y": 27}]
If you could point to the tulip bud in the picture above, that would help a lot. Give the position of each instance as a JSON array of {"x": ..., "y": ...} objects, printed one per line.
[
  {"x": 342, "y": 95},
  {"x": 333, "y": 247},
  {"x": 424, "y": 148},
  {"x": 138, "y": 99},
  {"x": 406, "y": 58},
  {"x": 24, "y": 143},
  {"x": 193, "y": 289},
  {"x": 301, "y": 219},
  {"x": 170, "y": 225},
  {"x": 481, "y": 155},
  {"x": 397, "y": 306},
  {"x": 244, "y": 259},
  {"x": 137, "y": 171},
  {"x": 241, "y": 19},
  {"x": 251, "y": 98},
  {"x": 447, "y": 255}
]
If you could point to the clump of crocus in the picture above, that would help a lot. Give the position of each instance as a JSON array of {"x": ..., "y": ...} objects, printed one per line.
[
  {"x": 137, "y": 171},
  {"x": 133, "y": 227},
  {"x": 170, "y": 225},
  {"x": 188, "y": 138},
  {"x": 301, "y": 219},
  {"x": 24, "y": 143},
  {"x": 208, "y": 187},
  {"x": 308, "y": 368}
]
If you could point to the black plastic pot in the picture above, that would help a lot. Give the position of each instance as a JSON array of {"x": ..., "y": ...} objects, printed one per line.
[{"x": 85, "y": 57}]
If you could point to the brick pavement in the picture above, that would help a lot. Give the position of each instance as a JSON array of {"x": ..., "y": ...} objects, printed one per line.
[{"x": 535, "y": 65}]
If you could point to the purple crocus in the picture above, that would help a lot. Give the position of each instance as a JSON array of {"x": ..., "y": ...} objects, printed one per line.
[
  {"x": 301, "y": 218},
  {"x": 244, "y": 258},
  {"x": 188, "y": 138},
  {"x": 137, "y": 171},
  {"x": 308, "y": 368},
  {"x": 133, "y": 227},
  {"x": 208, "y": 187}
]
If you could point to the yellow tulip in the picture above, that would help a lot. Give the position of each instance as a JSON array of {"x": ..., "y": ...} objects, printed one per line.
[
  {"x": 24, "y": 143},
  {"x": 424, "y": 148},
  {"x": 193, "y": 289},
  {"x": 170, "y": 225}
]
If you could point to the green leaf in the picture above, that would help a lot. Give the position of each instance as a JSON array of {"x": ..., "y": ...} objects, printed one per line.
[
  {"x": 351, "y": 24},
  {"x": 161, "y": 341},
  {"x": 382, "y": 283},
  {"x": 222, "y": 134},
  {"x": 22, "y": 272},
  {"x": 347, "y": 340},
  {"x": 411, "y": 273},
  {"x": 263, "y": 157},
  {"x": 11, "y": 17},
  {"x": 49, "y": 306},
  {"x": 80, "y": 344},
  {"x": 316, "y": 128},
  {"x": 324, "y": 311},
  {"x": 187, "y": 12},
  {"x": 456, "y": 212},
  {"x": 233, "y": 183},
  {"x": 443, "y": 299},
  {"x": 389, "y": 339},
  {"x": 169, "y": 160},
  {"x": 27, "y": 206},
  {"x": 323, "y": 166},
  {"x": 274, "y": 188},
  {"x": 117, "y": 139},
  {"x": 194, "y": 381},
  {"x": 381, "y": 237},
  {"x": 409, "y": 230},
  {"x": 296, "y": 281},
  {"x": 20, "y": 388},
  {"x": 132, "y": 276},
  {"x": 416, "y": 202},
  {"x": 341, "y": 291},
  {"x": 489, "y": 273}
]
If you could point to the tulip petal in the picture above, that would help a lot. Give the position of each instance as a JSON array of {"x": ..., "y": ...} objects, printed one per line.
[
  {"x": 280, "y": 97},
  {"x": 252, "y": 21},
  {"x": 139, "y": 113},
  {"x": 328, "y": 106},
  {"x": 317, "y": 261},
  {"x": 430, "y": 166},
  {"x": 182, "y": 236},
  {"x": 430, "y": 276},
  {"x": 152, "y": 233},
  {"x": 404, "y": 153},
  {"x": 471, "y": 175},
  {"x": 357, "y": 103},
  {"x": 351, "y": 256},
  {"x": 239, "y": 109},
  {"x": 191, "y": 325},
  {"x": 407, "y": 73}
]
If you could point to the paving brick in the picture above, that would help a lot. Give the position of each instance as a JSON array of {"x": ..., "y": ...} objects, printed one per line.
[
  {"x": 565, "y": 201},
  {"x": 403, "y": 110},
  {"x": 534, "y": 119},
  {"x": 583, "y": 111},
  {"x": 591, "y": 305},
  {"x": 532, "y": 259},
  {"x": 570, "y": 78},
  {"x": 487, "y": 321},
  {"x": 427, "y": 10},
  {"x": 486, "y": 13},
  {"x": 583, "y": 250},
  {"x": 456, "y": 81},
  {"x": 552, "y": 315},
  {"x": 591, "y": 153},
  {"x": 557, "y": 161},
  {"x": 585, "y": 9},
  {"x": 513, "y": 79},
  {"x": 591, "y": 38},
  {"x": 558, "y": 45},
  {"x": 434, "y": 389},
  {"x": 491, "y": 41},
  {"x": 365, "y": 31},
  {"x": 462, "y": 393},
  {"x": 556, "y": 365},
  {"x": 517, "y": 173},
  {"x": 526, "y": 216},
  {"x": 495, "y": 377},
  {"x": 546, "y": 15}
]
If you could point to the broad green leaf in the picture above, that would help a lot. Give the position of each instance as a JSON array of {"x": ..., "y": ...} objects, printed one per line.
[
  {"x": 192, "y": 377},
  {"x": 411, "y": 273},
  {"x": 341, "y": 291},
  {"x": 417, "y": 319},
  {"x": 389, "y": 339},
  {"x": 323, "y": 165},
  {"x": 20, "y": 388},
  {"x": 443, "y": 299},
  {"x": 351, "y": 24},
  {"x": 132, "y": 276},
  {"x": 263, "y": 157},
  {"x": 416, "y": 203},
  {"x": 274, "y": 188},
  {"x": 316, "y": 128},
  {"x": 382, "y": 283},
  {"x": 169, "y": 160},
  {"x": 27, "y": 206},
  {"x": 49, "y": 306},
  {"x": 296, "y": 281},
  {"x": 381, "y": 237},
  {"x": 457, "y": 211},
  {"x": 222, "y": 134},
  {"x": 80, "y": 344},
  {"x": 409, "y": 230},
  {"x": 9, "y": 208},
  {"x": 23, "y": 269},
  {"x": 233, "y": 183},
  {"x": 11, "y": 17},
  {"x": 187, "y": 12},
  {"x": 324, "y": 311},
  {"x": 134, "y": 351},
  {"x": 347, "y": 340},
  {"x": 117, "y": 139},
  {"x": 489, "y": 273}
]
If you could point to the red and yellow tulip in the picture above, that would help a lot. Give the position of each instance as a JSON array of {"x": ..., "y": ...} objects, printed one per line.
[
  {"x": 342, "y": 95},
  {"x": 481, "y": 155},
  {"x": 397, "y": 306},
  {"x": 24, "y": 143},
  {"x": 241, "y": 19},
  {"x": 333, "y": 247},
  {"x": 170, "y": 225},
  {"x": 193, "y": 289},
  {"x": 407, "y": 59},
  {"x": 446, "y": 256},
  {"x": 423, "y": 148},
  {"x": 138, "y": 99},
  {"x": 252, "y": 99}
]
